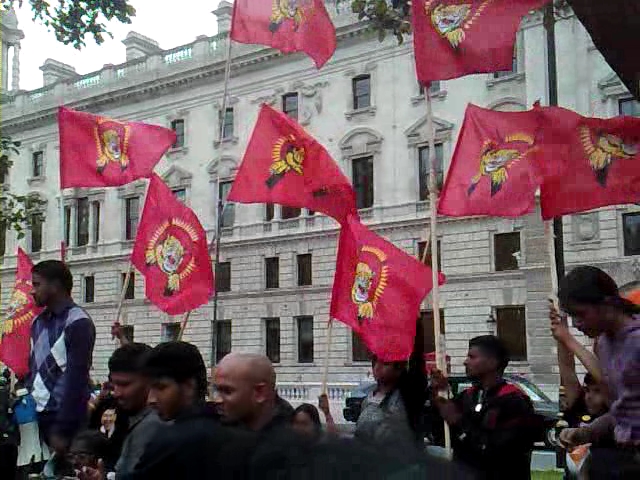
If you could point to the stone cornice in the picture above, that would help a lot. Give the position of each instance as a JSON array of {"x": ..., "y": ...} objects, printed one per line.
[{"x": 198, "y": 72}]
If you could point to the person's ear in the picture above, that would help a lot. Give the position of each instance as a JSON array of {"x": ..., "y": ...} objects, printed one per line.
[
  {"x": 260, "y": 392},
  {"x": 191, "y": 389}
]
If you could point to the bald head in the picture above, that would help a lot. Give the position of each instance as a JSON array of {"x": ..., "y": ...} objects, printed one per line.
[
  {"x": 246, "y": 387},
  {"x": 250, "y": 367}
]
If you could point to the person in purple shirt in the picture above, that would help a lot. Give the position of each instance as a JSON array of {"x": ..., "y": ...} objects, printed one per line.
[
  {"x": 62, "y": 339},
  {"x": 592, "y": 299}
]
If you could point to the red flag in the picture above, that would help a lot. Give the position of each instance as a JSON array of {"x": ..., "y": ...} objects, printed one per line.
[
  {"x": 288, "y": 25},
  {"x": 99, "y": 152},
  {"x": 171, "y": 252},
  {"x": 494, "y": 169},
  {"x": 15, "y": 329},
  {"x": 283, "y": 164},
  {"x": 453, "y": 38},
  {"x": 377, "y": 291},
  {"x": 596, "y": 162}
]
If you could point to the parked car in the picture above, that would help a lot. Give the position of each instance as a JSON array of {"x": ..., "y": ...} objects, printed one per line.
[{"x": 542, "y": 404}]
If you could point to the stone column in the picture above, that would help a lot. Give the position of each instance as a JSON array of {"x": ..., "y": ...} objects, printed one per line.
[{"x": 15, "y": 78}]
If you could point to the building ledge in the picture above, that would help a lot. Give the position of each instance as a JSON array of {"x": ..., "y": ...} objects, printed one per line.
[
  {"x": 511, "y": 78},
  {"x": 36, "y": 180},
  {"x": 439, "y": 95},
  {"x": 361, "y": 112},
  {"x": 226, "y": 141}
]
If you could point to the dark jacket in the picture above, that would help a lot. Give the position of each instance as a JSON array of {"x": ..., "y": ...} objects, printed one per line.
[
  {"x": 195, "y": 446},
  {"x": 497, "y": 432}
]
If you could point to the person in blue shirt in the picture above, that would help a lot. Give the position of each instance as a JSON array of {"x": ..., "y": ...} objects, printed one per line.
[{"x": 62, "y": 340}]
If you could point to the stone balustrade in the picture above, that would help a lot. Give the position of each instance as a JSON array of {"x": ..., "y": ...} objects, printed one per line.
[{"x": 297, "y": 393}]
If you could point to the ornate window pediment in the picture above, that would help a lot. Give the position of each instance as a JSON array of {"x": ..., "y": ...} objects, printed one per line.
[
  {"x": 177, "y": 177},
  {"x": 224, "y": 167},
  {"x": 418, "y": 134},
  {"x": 360, "y": 141},
  {"x": 508, "y": 104}
]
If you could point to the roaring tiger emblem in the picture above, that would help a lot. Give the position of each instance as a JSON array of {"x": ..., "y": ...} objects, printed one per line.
[
  {"x": 166, "y": 250},
  {"x": 497, "y": 158},
  {"x": 283, "y": 10},
  {"x": 451, "y": 20},
  {"x": 603, "y": 149},
  {"x": 369, "y": 282},
  {"x": 112, "y": 141},
  {"x": 287, "y": 155},
  {"x": 18, "y": 311}
]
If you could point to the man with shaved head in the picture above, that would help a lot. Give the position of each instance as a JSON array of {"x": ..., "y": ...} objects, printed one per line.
[{"x": 246, "y": 392}]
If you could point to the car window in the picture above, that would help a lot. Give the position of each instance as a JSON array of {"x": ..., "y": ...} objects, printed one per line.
[{"x": 531, "y": 391}]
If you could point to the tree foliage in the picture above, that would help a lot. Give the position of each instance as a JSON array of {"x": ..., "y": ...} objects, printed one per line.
[
  {"x": 17, "y": 212},
  {"x": 73, "y": 20},
  {"x": 386, "y": 16}
]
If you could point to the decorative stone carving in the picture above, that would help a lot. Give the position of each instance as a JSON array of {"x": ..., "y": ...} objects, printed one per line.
[
  {"x": 585, "y": 227},
  {"x": 311, "y": 101},
  {"x": 270, "y": 99},
  {"x": 417, "y": 133},
  {"x": 360, "y": 141}
]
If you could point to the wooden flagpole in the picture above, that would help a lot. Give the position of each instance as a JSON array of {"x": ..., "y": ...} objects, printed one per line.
[
  {"x": 183, "y": 324},
  {"x": 327, "y": 353},
  {"x": 219, "y": 202},
  {"x": 123, "y": 292},
  {"x": 435, "y": 292},
  {"x": 551, "y": 249},
  {"x": 63, "y": 225}
]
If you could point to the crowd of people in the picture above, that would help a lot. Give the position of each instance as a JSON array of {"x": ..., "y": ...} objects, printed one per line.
[{"x": 159, "y": 416}]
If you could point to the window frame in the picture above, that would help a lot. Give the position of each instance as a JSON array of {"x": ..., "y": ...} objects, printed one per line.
[
  {"x": 85, "y": 289},
  {"x": 223, "y": 326},
  {"x": 421, "y": 245},
  {"x": 96, "y": 209},
  {"x": 131, "y": 230},
  {"x": 304, "y": 349},
  {"x": 130, "y": 292},
  {"x": 635, "y": 106},
  {"x": 83, "y": 227},
  {"x": 361, "y": 101},
  {"x": 506, "y": 338},
  {"x": 423, "y": 163},
  {"x": 365, "y": 192},
  {"x": 427, "y": 316},
  {"x": 170, "y": 327},
  {"x": 223, "y": 271},
  {"x": 285, "y": 110},
  {"x": 179, "y": 124},
  {"x": 228, "y": 215},
  {"x": 269, "y": 323},
  {"x": 305, "y": 270},
  {"x": 497, "y": 258},
  {"x": 37, "y": 219},
  {"x": 227, "y": 123},
  {"x": 289, "y": 213},
  {"x": 272, "y": 262},
  {"x": 626, "y": 247},
  {"x": 37, "y": 164}
]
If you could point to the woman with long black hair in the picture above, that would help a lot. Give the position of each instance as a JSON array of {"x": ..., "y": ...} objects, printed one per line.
[
  {"x": 391, "y": 415},
  {"x": 592, "y": 299}
]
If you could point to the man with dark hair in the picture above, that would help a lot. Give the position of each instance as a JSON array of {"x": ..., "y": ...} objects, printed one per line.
[
  {"x": 62, "y": 339},
  {"x": 493, "y": 423},
  {"x": 196, "y": 445}
]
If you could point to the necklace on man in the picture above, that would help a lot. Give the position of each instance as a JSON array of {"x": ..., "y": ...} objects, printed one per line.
[{"x": 478, "y": 408}]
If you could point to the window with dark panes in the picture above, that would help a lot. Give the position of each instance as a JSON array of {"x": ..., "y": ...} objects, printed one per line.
[
  {"x": 512, "y": 330},
  {"x": 424, "y": 166},
  {"x": 272, "y": 271},
  {"x": 434, "y": 87},
  {"x": 272, "y": 336},
  {"x": 506, "y": 248},
  {"x": 228, "y": 124},
  {"x": 37, "y": 162},
  {"x": 631, "y": 233},
  {"x": 132, "y": 216},
  {"x": 82, "y": 222},
  {"x": 629, "y": 106},
  {"x": 228, "y": 208},
  {"x": 514, "y": 66},
  {"x": 269, "y": 212},
  {"x": 426, "y": 318},
  {"x": 67, "y": 225},
  {"x": 96, "y": 221},
  {"x": 223, "y": 277},
  {"x": 223, "y": 339},
  {"x": 180, "y": 194},
  {"x": 305, "y": 270},
  {"x": 287, "y": 213},
  {"x": 363, "y": 181},
  {"x": 428, "y": 257},
  {"x": 130, "y": 292},
  {"x": 128, "y": 332},
  {"x": 3, "y": 237},
  {"x": 170, "y": 332},
  {"x": 37, "y": 221},
  {"x": 290, "y": 105},
  {"x": 361, "y": 92},
  {"x": 305, "y": 339},
  {"x": 89, "y": 289},
  {"x": 359, "y": 351},
  {"x": 178, "y": 127}
]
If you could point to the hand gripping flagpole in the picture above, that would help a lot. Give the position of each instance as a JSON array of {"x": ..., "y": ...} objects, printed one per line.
[
  {"x": 435, "y": 268},
  {"x": 219, "y": 202}
]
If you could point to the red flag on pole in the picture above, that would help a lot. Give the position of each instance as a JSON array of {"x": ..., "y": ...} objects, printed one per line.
[
  {"x": 288, "y": 25},
  {"x": 283, "y": 164},
  {"x": 171, "y": 252},
  {"x": 378, "y": 290},
  {"x": 15, "y": 330},
  {"x": 596, "y": 162},
  {"x": 494, "y": 169},
  {"x": 453, "y": 38},
  {"x": 99, "y": 152}
]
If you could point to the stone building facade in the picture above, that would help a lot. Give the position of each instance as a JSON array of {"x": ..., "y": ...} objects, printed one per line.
[{"x": 366, "y": 107}]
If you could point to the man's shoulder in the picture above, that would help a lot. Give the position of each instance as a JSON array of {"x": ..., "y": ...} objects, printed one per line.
[{"x": 77, "y": 313}]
